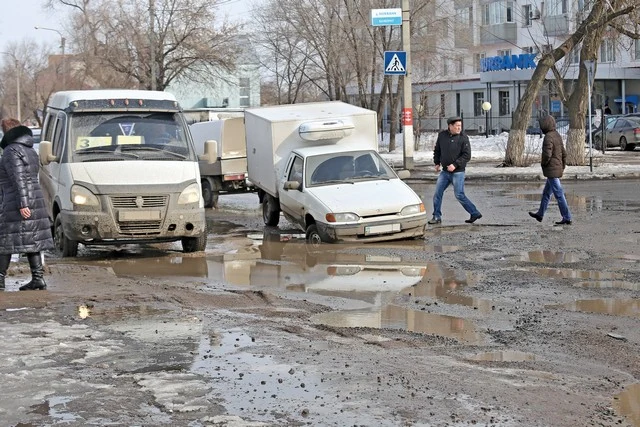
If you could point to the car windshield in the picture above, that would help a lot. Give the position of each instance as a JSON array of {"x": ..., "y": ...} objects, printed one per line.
[
  {"x": 346, "y": 167},
  {"x": 128, "y": 136}
]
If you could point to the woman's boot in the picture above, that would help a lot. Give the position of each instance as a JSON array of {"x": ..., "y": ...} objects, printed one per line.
[
  {"x": 37, "y": 273},
  {"x": 5, "y": 259}
]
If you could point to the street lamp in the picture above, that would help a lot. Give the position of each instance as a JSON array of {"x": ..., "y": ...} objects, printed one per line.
[
  {"x": 64, "y": 62},
  {"x": 486, "y": 106},
  {"x": 17, "y": 84}
]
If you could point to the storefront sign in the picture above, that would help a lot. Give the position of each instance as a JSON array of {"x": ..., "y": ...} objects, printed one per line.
[{"x": 499, "y": 63}]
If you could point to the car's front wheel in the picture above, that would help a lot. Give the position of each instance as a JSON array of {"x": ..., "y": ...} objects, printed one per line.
[{"x": 66, "y": 248}]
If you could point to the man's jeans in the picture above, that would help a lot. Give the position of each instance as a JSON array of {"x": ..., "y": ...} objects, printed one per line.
[
  {"x": 553, "y": 186},
  {"x": 444, "y": 180}
]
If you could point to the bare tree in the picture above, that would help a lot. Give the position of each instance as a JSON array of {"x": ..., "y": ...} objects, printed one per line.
[
  {"x": 150, "y": 43},
  {"x": 603, "y": 13}
]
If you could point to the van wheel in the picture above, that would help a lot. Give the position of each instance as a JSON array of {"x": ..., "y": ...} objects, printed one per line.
[
  {"x": 65, "y": 247},
  {"x": 313, "y": 236},
  {"x": 194, "y": 244},
  {"x": 207, "y": 194},
  {"x": 270, "y": 210}
]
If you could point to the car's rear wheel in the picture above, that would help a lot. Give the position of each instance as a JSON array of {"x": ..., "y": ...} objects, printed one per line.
[{"x": 623, "y": 144}]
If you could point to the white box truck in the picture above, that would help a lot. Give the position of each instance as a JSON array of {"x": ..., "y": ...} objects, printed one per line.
[
  {"x": 318, "y": 163},
  {"x": 119, "y": 167},
  {"x": 228, "y": 173}
]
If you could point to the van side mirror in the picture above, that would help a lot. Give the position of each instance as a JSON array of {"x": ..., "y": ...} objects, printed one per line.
[
  {"x": 210, "y": 152},
  {"x": 46, "y": 153},
  {"x": 403, "y": 174}
]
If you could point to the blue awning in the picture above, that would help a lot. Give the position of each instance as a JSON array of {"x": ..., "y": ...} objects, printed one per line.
[{"x": 631, "y": 99}]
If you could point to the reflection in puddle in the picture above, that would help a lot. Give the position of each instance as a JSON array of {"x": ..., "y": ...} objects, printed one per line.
[
  {"x": 617, "y": 307},
  {"x": 546, "y": 257},
  {"x": 51, "y": 408},
  {"x": 575, "y": 201},
  {"x": 614, "y": 284},
  {"x": 395, "y": 317},
  {"x": 89, "y": 310},
  {"x": 627, "y": 404},
  {"x": 504, "y": 356},
  {"x": 567, "y": 273}
]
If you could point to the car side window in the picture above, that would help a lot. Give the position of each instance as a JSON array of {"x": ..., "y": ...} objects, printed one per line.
[
  {"x": 621, "y": 123},
  {"x": 296, "y": 171}
]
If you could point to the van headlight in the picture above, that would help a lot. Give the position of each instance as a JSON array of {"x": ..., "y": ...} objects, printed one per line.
[
  {"x": 82, "y": 196},
  {"x": 191, "y": 194},
  {"x": 342, "y": 217},
  {"x": 412, "y": 209}
]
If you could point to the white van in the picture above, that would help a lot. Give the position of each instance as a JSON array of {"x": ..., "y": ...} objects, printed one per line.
[{"x": 119, "y": 167}]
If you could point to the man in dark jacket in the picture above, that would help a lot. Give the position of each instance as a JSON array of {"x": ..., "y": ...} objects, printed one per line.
[
  {"x": 553, "y": 162},
  {"x": 24, "y": 222},
  {"x": 451, "y": 154}
]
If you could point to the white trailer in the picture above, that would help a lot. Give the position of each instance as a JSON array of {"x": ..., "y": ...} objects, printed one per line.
[{"x": 228, "y": 173}]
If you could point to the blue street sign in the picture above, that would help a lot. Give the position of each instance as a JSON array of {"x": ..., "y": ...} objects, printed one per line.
[
  {"x": 555, "y": 106},
  {"x": 382, "y": 17},
  {"x": 395, "y": 62}
]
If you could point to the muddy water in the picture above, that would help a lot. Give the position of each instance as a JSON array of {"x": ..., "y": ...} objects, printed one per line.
[
  {"x": 504, "y": 356},
  {"x": 627, "y": 404},
  {"x": 616, "y": 307}
]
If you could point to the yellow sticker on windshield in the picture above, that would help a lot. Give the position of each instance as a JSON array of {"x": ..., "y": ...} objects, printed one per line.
[
  {"x": 92, "y": 141},
  {"x": 133, "y": 139}
]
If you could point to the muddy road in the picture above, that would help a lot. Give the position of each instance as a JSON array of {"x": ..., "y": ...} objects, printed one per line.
[{"x": 506, "y": 322}]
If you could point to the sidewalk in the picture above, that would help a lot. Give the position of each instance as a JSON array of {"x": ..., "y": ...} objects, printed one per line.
[{"x": 611, "y": 165}]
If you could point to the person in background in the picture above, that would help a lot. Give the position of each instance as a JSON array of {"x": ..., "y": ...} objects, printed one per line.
[
  {"x": 553, "y": 162},
  {"x": 450, "y": 155},
  {"x": 607, "y": 110},
  {"x": 24, "y": 222}
]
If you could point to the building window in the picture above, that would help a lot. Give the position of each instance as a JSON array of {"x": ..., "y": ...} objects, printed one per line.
[
  {"x": 445, "y": 66},
  {"x": 498, "y": 12},
  {"x": 445, "y": 28},
  {"x": 556, "y": 7},
  {"x": 443, "y": 112},
  {"x": 503, "y": 102},
  {"x": 637, "y": 46},
  {"x": 529, "y": 49},
  {"x": 526, "y": 15},
  {"x": 574, "y": 55},
  {"x": 465, "y": 17},
  {"x": 607, "y": 51},
  {"x": 458, "y": 108},
  {"x": 504, "y": 52},
  {"x": 477, "y": 61},
  {"x": 245, "y": 91},
  {"x": 461, "y": 65},
  {"x": 478, "y": 99}
]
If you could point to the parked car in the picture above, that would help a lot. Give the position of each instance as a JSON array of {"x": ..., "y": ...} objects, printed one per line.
[
  {"x": 37, "y": 132},
  {"x": 623, "y": 132}
]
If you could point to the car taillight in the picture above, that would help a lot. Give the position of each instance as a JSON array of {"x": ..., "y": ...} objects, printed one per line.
[{"x": 636, "y": 131}]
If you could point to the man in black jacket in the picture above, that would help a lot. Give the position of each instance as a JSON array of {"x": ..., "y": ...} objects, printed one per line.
[{"x": 451, "y": 154}]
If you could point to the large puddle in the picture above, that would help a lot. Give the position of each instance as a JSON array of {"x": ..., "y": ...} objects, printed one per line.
[
  {"x": 617, "y": 307},
  {"x": 627, "y": 404}
]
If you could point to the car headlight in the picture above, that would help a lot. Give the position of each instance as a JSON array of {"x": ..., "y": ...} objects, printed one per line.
[
  {"x": 412, "y": 209},
  {"x": 191, "y": 194},
  {"x": 342, "y": 217},
  {"x": 83, "y": 197}
]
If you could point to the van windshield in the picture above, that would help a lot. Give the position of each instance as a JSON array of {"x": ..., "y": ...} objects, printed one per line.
[
  {"x": 346, "y": 167},
  {"x": 128, "y": 136}
]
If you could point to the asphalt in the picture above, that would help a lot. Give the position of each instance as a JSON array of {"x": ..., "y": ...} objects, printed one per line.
[{"x": 613, "y": 164}]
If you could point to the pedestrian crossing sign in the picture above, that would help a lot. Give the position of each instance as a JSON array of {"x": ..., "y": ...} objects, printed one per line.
[{"x": 395, "y": 62}]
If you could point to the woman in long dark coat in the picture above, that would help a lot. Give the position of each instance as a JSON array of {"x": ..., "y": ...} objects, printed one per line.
[{"x": 24, "y": 222}]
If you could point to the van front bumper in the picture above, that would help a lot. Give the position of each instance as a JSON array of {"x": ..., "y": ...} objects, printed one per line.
[
  {"x": 101, "y": 227},
  {"x": 391, "y": 229}
]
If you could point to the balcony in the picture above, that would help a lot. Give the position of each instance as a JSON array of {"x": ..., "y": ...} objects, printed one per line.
[
  {"x": 499, "y": 33},
  {"x": 556, "y": 25}
]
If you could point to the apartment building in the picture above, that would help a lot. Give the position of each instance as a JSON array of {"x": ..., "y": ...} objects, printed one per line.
[{"x": 486, "y": 50}]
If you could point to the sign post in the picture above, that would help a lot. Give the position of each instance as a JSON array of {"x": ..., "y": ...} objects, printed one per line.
[
  {"x": 407, "y": 110},
  {"x": 590, "y": 66}
]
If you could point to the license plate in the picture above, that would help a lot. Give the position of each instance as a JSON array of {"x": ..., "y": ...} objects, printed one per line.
[
  {"x": 380, "y": 229},
  {"x": 138, "y": 215}
]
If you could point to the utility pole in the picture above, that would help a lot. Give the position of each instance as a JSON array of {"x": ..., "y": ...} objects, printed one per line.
[
  {"x": 407, "y": 110},
  {"x": 64, "y": 60},
  {"x": 152, "y": 42}
]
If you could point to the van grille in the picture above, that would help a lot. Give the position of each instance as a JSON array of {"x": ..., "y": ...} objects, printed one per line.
[
  {"x": 156, "y": 201},
  {"x": 139, "y": 228}
]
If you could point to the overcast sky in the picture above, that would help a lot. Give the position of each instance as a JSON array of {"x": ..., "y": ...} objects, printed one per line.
[{"x": 17, "y": 21}]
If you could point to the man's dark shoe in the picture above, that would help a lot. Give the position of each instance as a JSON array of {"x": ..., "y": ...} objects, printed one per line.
[
  {"x": 536, "y": 216},
  {"x": 564, "y": 222},
  {"x": 434, "y": 220},
  {"x": 473, "y": 219}
]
